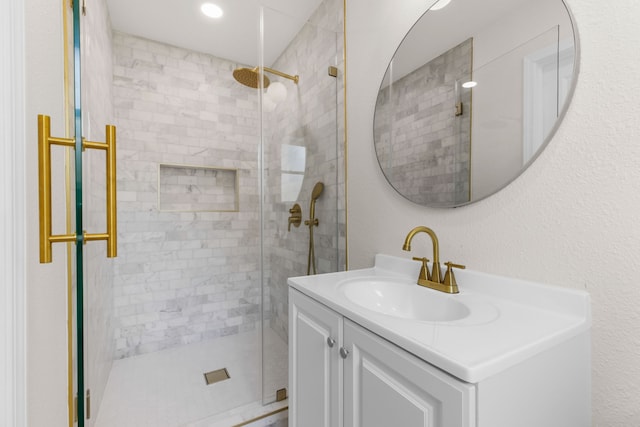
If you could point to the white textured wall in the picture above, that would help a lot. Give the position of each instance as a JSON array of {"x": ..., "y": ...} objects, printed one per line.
[
  {"x": 46, "y": 338},
  {"x": 570, "y": 220}
]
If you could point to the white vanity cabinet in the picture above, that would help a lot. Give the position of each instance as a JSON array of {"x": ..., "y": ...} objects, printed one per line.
[
  {"x": 344, "y": 375},
  {"x": 370, "y": 348},
  {"x": 315, "y": 370}
]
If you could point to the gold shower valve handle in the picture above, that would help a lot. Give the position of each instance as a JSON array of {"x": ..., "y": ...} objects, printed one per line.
[{"x": 296, "y": 216}]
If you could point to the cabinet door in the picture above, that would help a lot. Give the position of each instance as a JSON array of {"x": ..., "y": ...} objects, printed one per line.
[
  {"x": 314, "y": 365},
  {"x": 386, "y": 386}
]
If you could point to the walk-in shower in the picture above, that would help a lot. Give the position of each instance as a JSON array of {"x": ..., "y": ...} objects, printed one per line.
[{"x": 188, "y": 325}]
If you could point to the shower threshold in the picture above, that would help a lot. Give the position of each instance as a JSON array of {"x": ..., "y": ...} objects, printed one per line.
[{"x": 252, "y": 415}]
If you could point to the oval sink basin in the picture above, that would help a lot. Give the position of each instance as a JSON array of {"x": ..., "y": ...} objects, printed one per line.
[{"x": 401, "y": 298}]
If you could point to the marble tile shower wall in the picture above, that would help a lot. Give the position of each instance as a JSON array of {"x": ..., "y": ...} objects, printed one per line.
[
  {"x": 97, "y": 268},
  {"x": 430, "y": 158},
  {"x": 309, "y": 117},
  {"x": 182, "y": 276}
]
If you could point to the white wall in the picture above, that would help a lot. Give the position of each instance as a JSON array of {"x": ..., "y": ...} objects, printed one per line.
[
  {"x": 46, "y": 283},
  {"x": 569, "y": 220},
  {"x": 12, "y": 228}
]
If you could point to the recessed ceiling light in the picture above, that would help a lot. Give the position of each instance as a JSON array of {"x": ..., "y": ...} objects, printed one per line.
[
  {"x": 440, "y": 4},
  {"x": 211, "y": 10},
  {"x": 469, "y": 84}
]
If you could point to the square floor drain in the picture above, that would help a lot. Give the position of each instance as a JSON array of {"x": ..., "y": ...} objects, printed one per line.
[{"x": 216, "y": 376}]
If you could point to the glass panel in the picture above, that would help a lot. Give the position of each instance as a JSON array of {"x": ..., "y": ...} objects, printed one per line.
[
  {"x": 173, "y": 327},
  {"x": 76, "y": 265},
  {"x": 186, "y": 285},
  {"x": 98, "y": 272},
  {"x": 70, "y": 203},
  {"x": 302, "y": 164},
  {"x": 529, "y": 102}
]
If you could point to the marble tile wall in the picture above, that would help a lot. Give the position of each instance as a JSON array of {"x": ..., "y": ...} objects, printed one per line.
[
  {"x": 423, "y": 148},
  {"x": 98, "y": 111},
  {"x": 197, "y": 189},
  {"x": 182, "y": 276},
  {"x": 187, "y": 276}
]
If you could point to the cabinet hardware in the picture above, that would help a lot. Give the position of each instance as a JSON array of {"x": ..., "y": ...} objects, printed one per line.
[
  {"x": 331, "y": 342},
  {"x": 344, "y": 352}
]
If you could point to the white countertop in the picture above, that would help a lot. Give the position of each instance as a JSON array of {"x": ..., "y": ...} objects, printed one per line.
[{"x": 511, "y": 319}]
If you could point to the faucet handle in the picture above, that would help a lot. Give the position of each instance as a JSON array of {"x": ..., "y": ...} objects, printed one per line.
[
  {"x": 424, "y": 270},
  {"x": 296, "y": 216},
  {"x": 449, "y": 278}
]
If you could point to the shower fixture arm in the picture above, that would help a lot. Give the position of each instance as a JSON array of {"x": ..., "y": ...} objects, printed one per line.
[{"x": 295, "y": 78}]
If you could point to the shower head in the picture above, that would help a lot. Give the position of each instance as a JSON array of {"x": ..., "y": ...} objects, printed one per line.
[
  {"x": 249, "y": 77},
  {"x": 317, "y": 191}
]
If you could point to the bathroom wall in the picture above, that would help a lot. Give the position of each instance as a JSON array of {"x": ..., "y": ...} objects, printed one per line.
[
  {"x": 570, "y": 220},
  {"x": 97, "y": 69},
  {"x": 187, "y": 275},
  {"x": 308, "y": 118},
  {"x": 44, "y": 401}
]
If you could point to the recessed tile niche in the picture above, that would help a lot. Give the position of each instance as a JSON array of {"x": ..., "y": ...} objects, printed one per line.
[{"x": 196, "y": 189}]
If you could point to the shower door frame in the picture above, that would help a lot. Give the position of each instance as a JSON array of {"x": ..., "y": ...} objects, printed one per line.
[{"x": 338, "y": 94}]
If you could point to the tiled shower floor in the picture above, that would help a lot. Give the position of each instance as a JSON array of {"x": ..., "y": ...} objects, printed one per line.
[{"x": 167, "y": 388}]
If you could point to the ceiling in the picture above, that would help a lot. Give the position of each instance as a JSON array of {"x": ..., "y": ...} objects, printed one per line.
[{"x": 234, "y": 36}]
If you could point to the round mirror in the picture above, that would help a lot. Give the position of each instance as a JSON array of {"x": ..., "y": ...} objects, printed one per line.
[{"x": 472, "y": 95}]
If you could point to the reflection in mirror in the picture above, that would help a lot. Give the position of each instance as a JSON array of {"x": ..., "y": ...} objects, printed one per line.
[
  {"x": 292, "y": 167},
  {"x": 471, "y": 97}
]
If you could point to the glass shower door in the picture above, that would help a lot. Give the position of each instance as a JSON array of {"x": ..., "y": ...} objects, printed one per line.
[
  {"x": 302, "y": 172},
  {"x": 176, "y": 328},
  {"x": 76, "y": 236}
]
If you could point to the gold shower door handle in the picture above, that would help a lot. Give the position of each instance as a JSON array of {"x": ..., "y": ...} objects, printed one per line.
[
  {"x": 111, "y": 235},
  {"x": 45, "y": 140}
]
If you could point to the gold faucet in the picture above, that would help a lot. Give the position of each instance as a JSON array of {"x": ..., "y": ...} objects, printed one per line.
[{"x": 434, "y": 278}]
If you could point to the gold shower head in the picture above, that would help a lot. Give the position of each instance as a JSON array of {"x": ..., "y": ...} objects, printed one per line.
[{"x": 249, "y": 77}]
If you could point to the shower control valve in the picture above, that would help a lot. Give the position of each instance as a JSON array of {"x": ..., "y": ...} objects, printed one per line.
[{"x": 296, "y": 216}]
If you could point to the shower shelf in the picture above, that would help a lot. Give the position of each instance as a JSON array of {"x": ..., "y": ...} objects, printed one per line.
[{"x": 184, "y": 188}]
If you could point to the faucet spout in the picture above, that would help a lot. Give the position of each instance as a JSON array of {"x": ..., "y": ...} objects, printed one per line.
[{"x": 436, "y": 276}]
